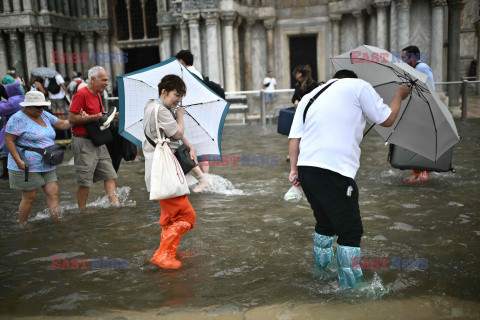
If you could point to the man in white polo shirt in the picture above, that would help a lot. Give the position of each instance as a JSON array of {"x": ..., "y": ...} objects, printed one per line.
[{"x": 324, "y": 158}]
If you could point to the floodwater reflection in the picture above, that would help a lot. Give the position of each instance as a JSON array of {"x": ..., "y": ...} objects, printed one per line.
[{"x": 249, "y": 249}]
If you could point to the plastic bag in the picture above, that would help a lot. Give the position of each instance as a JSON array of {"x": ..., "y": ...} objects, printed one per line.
[{"x": 293, "y": 195}]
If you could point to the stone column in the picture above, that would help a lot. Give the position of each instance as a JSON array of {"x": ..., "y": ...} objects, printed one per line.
[
  {"x": 184, "y": 39},
  {"x": 453, "y": 69},
  {"x": 16, "y": 7},
  {"x": 91, "y": 8},
  {"x": 90, "y": 48},
  {"x": 77, "y": 49},
  {"x": 30, "y": 53},
  {"x": 59, "y": 47},
  {"x": 95, "y": 8},
  {"x": 68, "y": 49},
  {"x": 360, "y": 27},
  {"x": 335, "y": 21},
  {"x": 166, "y": 47},
  {"x": 144, "y": 16},
  {"x": 82, "y": 7},
  {"x": 269, "y": 25},
  {"x": 3, "y": 56},
  {"x": 6, "y": 9},
  {"x": 195, "y": 45},
  {"x": 49, "y": 49},
  {"x": 393, "y": 28},
  {"x": 106, "y": 65},
  {"x": 403, "y": 23},
  {"x": 248, "y": 53},
  {"x": 382, "y": 29},
  {"x": 129, "y": 20},
  {"x": 40, "y": 51},
  {"x": 43, "y": 6},
  {"x": 436, "y": 47},
  {"x": 236, "y": 50},
  {"x": 16, "y": 53},
  {"x": 372, "y": 26},
  {"x": 211, "y": 20},
  {"x": 27, "y": 6},
  {"x": 66, "y": 7},
  {"x": 117, "y": 66},
  {"x": 229, "y": 60},
  {"x": 477, "y": 33}
]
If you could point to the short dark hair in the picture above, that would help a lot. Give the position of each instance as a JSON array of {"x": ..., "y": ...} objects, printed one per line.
[
  {"x": 172, "y": 82},
  {"x": 412, "y": 51},
  {"x": 186, "y": 56},
  {"x": 345, "y": 73}
]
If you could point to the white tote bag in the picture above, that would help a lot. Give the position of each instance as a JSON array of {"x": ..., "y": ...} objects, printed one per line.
[{"x": 167, "y": 179}]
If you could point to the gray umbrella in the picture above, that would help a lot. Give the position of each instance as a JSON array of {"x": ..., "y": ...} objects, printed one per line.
[
  {"x": 44, "y": 72},
  {"x": 424, "y": 124}
]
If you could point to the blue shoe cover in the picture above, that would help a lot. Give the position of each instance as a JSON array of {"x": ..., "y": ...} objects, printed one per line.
[
  {"x": 348, "y": 276},
  {"x": 322, "y": 250}
]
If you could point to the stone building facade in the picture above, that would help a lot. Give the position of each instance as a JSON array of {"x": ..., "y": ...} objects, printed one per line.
[{"x": 234, "y": 42}]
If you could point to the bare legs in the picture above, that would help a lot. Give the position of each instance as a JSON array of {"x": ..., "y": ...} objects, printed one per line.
[
  {"x": 53, "y": 202},
  {"x": 110, "y": 190},
  {"x": 203, "y": 181},
  {"x": 28, "y": 199}
]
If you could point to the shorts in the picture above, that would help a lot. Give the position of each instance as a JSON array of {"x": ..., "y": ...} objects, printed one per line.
[
  {"x": 59, "y": 104},
  {"x": 269, "y": 96},
  {"x": 91, "y": 163},
  {"x": 176, "y": 209},
  {"x": 35, "y": 179},
  {"x": 334, "y": 200}
]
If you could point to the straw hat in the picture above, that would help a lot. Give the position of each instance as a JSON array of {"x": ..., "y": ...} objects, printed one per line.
[{"x": 34, "y": 98}]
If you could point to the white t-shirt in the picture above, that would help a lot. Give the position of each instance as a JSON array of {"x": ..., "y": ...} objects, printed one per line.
[
  {"x": 61, "y": 93},
  {"x": 195, "y": 72},
  {"x": 333, "y": 128},
  {"x": 271, "y": 86}
]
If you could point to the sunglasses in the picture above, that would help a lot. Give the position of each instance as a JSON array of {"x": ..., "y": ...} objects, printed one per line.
[{"x": 39, "y": 107}]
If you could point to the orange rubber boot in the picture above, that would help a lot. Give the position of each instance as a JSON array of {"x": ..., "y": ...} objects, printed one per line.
[
  {"x": 161, "y": 248},
  {"x": 168, "y": 247}
]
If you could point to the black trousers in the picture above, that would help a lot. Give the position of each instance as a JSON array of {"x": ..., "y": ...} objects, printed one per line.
[{"x": 334, "y": 200}]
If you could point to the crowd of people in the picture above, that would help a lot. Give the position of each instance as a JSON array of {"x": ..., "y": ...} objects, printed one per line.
[{"x": 325, "y": 173}]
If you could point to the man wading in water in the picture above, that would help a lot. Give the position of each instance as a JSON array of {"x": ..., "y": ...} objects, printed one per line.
[{"x": 324, "y": 159}]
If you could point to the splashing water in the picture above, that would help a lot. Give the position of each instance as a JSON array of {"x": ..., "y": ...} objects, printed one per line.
[
  {"x": 100, "y": 202},
  {"x": 220, "y": 185}
]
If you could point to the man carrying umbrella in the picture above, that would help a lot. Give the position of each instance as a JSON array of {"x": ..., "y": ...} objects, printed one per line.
[
  {"x": 411, "y": 56},
  {"x": 325, "y": 156}
]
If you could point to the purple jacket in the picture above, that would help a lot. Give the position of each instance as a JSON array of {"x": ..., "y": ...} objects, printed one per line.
[{"x": 11, "y": 106}]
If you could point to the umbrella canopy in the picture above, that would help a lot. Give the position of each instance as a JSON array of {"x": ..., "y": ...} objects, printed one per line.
[
  {"x": 44, "y": 72},
  {"x": 205, "y": 110},
  {"x": 424, "y": 124}
]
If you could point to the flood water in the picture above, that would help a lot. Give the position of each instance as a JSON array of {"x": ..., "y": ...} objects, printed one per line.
[{"x": 249, "y": 248}]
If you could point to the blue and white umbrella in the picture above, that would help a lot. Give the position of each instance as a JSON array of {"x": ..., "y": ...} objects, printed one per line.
[{"x": 205, "y": 110}]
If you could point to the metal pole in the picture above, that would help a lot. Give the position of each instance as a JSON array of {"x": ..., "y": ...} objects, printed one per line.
[
  {"x": 262, "y": 108},
  {"x": 464, "y": 98}
]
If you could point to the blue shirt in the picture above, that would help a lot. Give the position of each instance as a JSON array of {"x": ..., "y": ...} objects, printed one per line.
[
  {"x": 31, "y": 134},
  {"x": 424, "y": 68}
]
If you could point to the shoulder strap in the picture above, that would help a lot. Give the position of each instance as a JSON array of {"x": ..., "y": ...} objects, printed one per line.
[
  {"x": 315, "y": 98},
  {"x": 38, "y": 150},
  {"x": 159, "y": 133},
  {"x": 100, "y": 100}
]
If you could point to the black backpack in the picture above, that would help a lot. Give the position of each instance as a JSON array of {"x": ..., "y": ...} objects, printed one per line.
[
  {"x": 53, "y": 86},
  {"x": 215, "y": 87}
]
